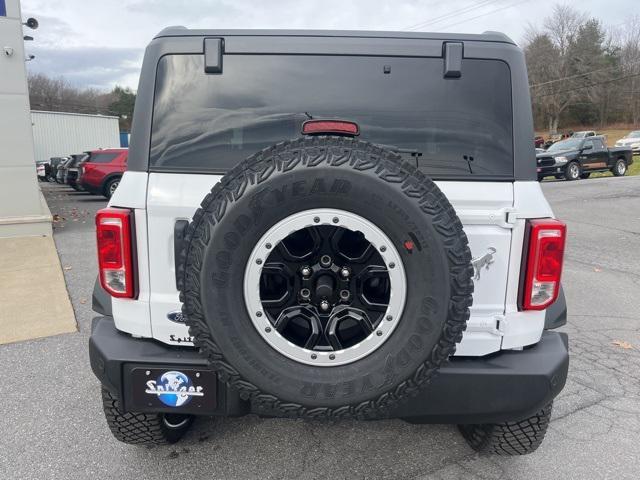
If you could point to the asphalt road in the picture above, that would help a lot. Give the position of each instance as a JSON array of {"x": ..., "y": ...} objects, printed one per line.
[{"x": 52, "y": 424}]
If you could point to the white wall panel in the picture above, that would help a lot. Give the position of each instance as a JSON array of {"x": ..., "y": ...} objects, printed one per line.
[{"x": 57, "y": 134}]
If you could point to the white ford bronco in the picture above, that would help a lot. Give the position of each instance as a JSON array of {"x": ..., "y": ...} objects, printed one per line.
[{"x": 331, "y": 225}]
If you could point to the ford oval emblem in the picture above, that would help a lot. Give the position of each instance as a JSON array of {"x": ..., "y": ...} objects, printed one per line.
[{"x": 176, "y": 316}]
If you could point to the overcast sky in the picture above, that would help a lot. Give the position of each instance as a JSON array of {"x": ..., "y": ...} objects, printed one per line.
[{"x": 97, "y": 44}]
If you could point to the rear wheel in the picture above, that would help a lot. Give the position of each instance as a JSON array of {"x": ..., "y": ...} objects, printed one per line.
[
  {"x": 620, "y": 168},
  {"x": 111, "y": 186},
  {"x": 509, "y": 438},
  {"x": 143, "y": 428},
  {"x": 572, "y": 171}
]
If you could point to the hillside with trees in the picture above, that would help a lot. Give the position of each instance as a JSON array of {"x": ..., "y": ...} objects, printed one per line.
[
  {"x": 581, "y": 73},
  {"x": 57, "y": 95}
]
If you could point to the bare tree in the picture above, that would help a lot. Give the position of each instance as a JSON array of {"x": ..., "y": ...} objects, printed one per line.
[
  {"x": 550, "y": 63},
  {"x": 56, "y": 94},
  {"x": 628, "y": 38}
]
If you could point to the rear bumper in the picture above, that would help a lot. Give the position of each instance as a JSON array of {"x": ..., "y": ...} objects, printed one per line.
[
  {"x": 505, "y": 386},
  {"x": 71, "y": 178},
  {"x": 509, "y": 385}
]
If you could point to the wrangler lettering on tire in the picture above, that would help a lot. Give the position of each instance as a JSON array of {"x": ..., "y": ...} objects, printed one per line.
[{"x": 324, "y": 277}]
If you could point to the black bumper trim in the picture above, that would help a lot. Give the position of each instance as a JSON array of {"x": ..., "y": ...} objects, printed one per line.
[
  {"x": 505, "y": 386},
  {"x": 101, "y": 300},
  {"x": 112, "y": 353},
  {"x": 556, "y": 313}
]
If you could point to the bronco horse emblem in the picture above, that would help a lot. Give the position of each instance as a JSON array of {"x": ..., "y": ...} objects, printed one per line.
[{"x": 484, "y": 261}]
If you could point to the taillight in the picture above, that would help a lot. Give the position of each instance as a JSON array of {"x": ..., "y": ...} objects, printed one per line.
[
  {"x": 115, "y": 251},
  {"x": 340, "y": 127},
  {"x": 544, "y": 263}
]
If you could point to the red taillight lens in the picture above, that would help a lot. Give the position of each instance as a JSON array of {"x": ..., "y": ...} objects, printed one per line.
[
  {"x": 340, "y": 127},
  {"x": 544, "y": 263},
  {"x": 115, "y": 251}
]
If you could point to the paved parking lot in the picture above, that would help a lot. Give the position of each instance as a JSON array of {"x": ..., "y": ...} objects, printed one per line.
[{"x": 52, "y": 424}]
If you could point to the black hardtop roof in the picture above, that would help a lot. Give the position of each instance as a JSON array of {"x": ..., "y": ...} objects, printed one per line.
[
  {"x": 179, "y": 31},
  {"x": 487, "y": 46}
]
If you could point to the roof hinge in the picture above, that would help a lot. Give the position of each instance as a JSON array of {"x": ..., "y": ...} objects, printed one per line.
[
  {"x": 452, "y": 53},
  {"x": 511, "y": 216},
  {"x": 213, "y": 50}
]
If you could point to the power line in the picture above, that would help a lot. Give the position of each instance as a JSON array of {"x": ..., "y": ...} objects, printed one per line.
[
  {"x": 583, "y": 74},
  {"x": 588, "y": 86},
  {"x": 451, "y": 14},
  {"x": 485, "y": 14}
]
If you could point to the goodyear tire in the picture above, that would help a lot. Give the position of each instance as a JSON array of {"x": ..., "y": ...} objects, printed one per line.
[{"x": 383, "y": 206}]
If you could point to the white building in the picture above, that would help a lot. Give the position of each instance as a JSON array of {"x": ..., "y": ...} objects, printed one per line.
[{"x": 57, "y": 134}]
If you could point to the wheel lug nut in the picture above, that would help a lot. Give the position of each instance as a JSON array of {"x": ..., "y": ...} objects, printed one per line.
[
  {"x": 305, "y": 271},
  {"x": 305, "y": 293},
  {"x": 325, "y": 261},
  {"x": 345, "y": 272},
  {"x": 332, "y": 357},
  {"x": 324, "y": 305},
  {"x": 344, "y": 294},
  {"x": 379, "y": 333},
  {"x": 313, "y": 356}
]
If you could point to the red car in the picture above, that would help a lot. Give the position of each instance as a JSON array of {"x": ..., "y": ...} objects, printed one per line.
[{"x": 101, "y": 172}]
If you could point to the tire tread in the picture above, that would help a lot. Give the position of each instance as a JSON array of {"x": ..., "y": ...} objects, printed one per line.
[
  {"x": 509, "y": 438},
  {"x": 136, "y": 428},
  {"x": 310, "y": 152}
]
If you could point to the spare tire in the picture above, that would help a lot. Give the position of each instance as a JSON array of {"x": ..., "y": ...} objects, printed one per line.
[{"x": 325, "y": 277}]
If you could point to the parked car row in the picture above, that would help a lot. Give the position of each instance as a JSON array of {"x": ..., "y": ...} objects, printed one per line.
[
  {"x": 96, "y": 171},
  {"x": 577, "y": 157}
]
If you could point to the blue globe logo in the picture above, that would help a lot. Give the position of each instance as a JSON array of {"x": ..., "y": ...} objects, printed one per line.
[{"x": 173, "y": 389}]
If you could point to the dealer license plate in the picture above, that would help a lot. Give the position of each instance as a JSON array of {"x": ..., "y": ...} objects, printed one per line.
[{"x": 185, "y": 390}]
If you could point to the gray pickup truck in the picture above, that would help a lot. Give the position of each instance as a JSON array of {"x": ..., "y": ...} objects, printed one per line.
[{"x": 576, "y": 158}]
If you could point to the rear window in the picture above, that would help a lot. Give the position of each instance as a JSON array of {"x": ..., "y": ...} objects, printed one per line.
[
  {"x": 449, "y": 128},
  {"x": 102, "y": 157}
]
